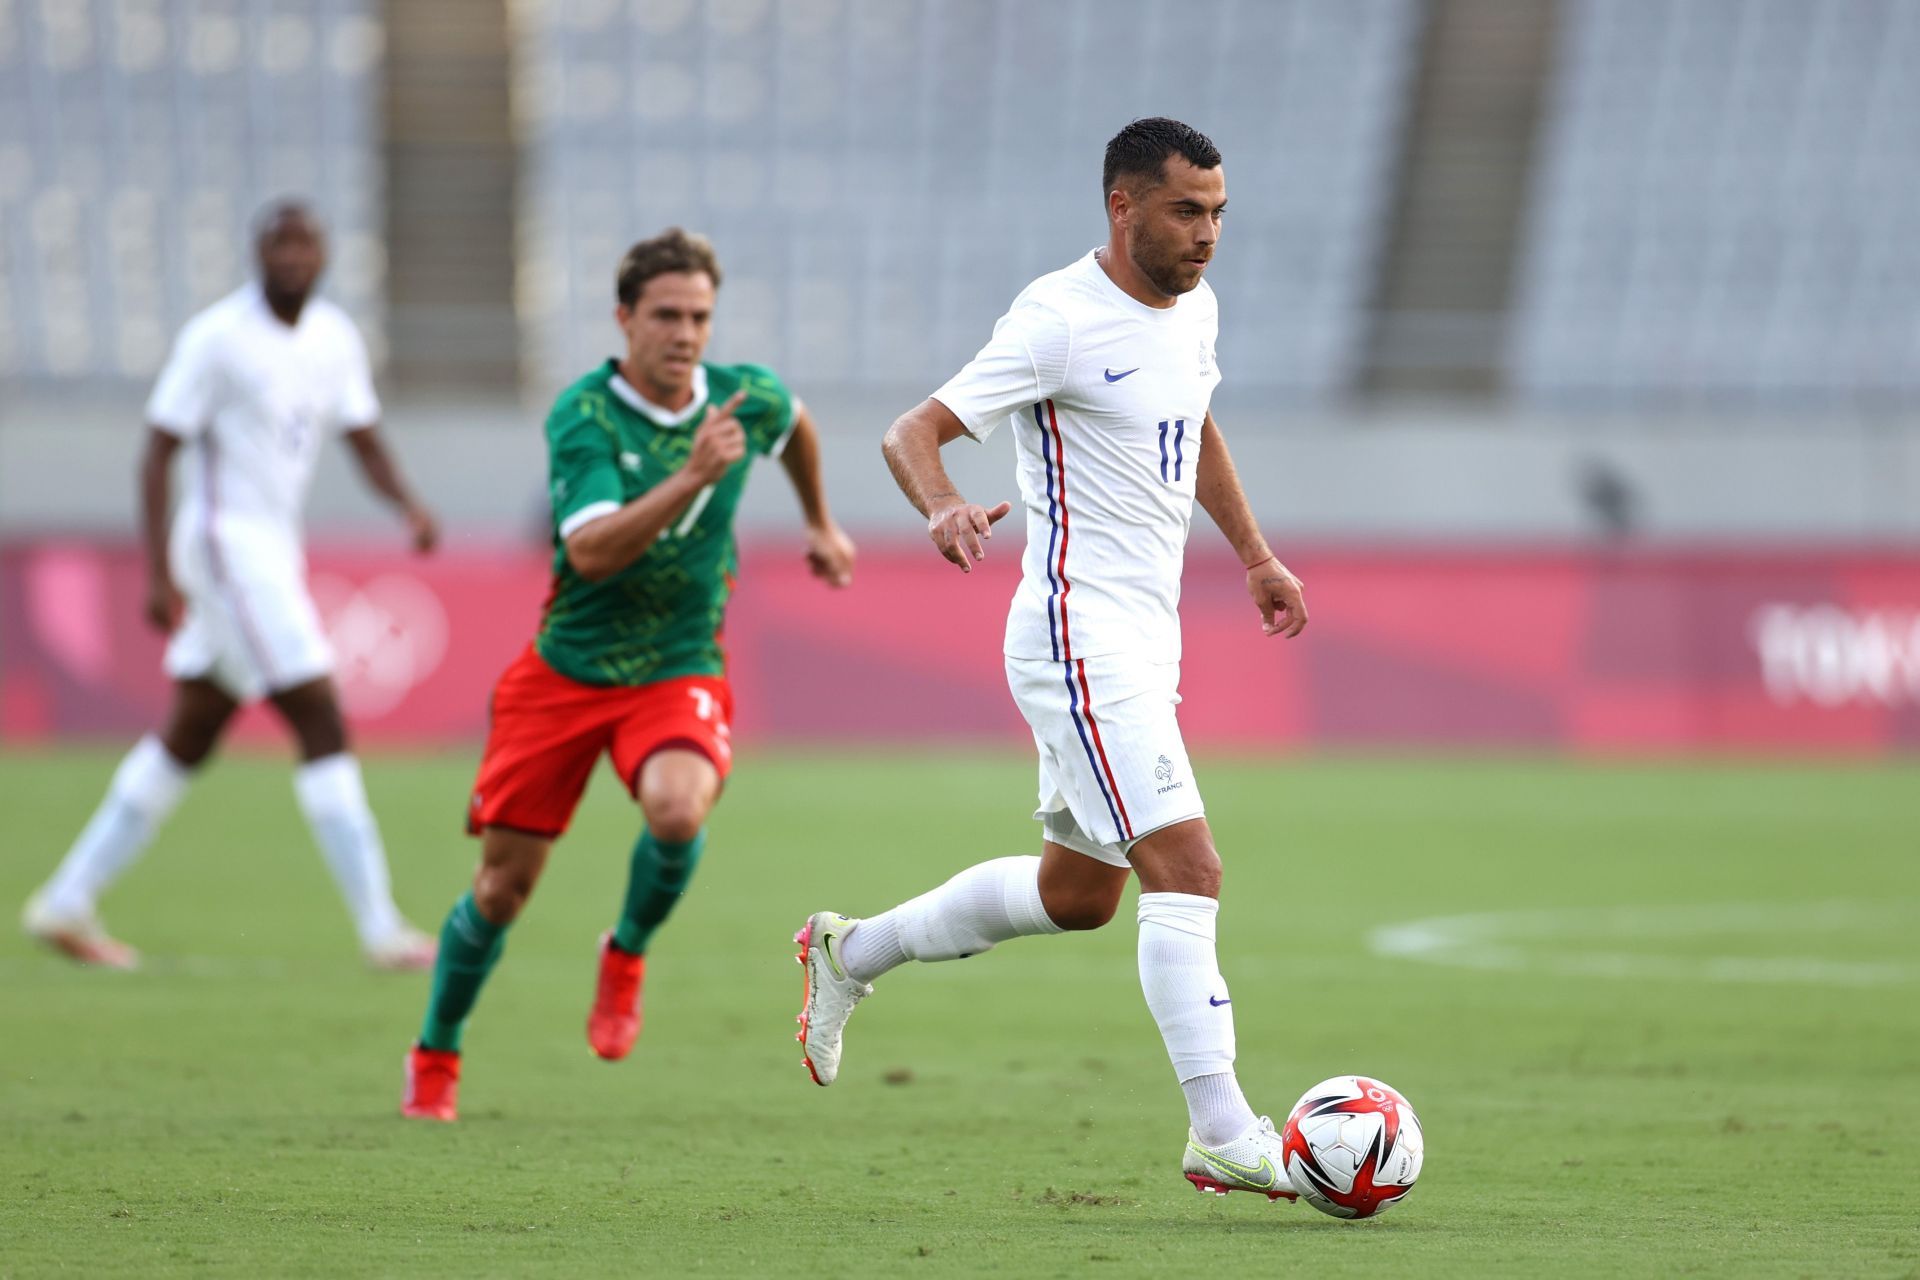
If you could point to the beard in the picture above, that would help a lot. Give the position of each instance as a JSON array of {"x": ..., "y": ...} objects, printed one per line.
[
  {"x": 288, "y": 294},
  {"x": 1167, "y": 268}
]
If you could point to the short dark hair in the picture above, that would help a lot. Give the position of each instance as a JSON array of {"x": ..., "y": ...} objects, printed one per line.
[
  {"x": 673, "y": 250},
  {"x": 279, "y": 210},
  {"x": 1142, "y": 149}
]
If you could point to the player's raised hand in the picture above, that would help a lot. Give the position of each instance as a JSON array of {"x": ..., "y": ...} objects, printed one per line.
[
  {"x": 1279, "y": 596},
  {"x": 830, "y": 555},
  {"x": 961, "y": 529},
  {"x": 164, "y": 605},
  {"x": 719, "y": 441}
]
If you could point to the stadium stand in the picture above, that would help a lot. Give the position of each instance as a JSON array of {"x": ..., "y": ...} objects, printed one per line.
[
  {"x": 876, "y": 210},
  {"x": 136, "y": 140},
  {"x": 1716, "y": 206},
  {"x": 1727, "y": 206}
]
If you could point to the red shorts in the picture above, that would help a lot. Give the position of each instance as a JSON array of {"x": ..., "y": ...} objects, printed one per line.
[{"x": 546, "y": 731}]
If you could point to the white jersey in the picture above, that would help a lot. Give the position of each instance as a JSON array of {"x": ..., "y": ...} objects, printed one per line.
[
  {"x": 255, "y": 398},
  {"x": 1107, "y": 396}
]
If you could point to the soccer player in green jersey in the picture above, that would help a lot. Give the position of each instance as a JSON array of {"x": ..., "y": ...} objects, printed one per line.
[{"x": 647, "y": 459}]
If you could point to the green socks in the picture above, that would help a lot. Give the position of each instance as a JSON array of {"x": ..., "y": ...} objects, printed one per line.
[
  {"x": 660, "y": 875},
  {"x": 470, "y": 944}
]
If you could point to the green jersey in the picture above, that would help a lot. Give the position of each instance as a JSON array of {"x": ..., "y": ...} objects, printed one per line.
[{"x": 661, "y": 616}]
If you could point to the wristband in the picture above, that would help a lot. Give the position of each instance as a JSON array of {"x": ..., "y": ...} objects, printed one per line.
[{"x": 1257, "y": 563}]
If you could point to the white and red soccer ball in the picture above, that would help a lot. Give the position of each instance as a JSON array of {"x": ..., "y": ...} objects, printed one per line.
[{"x": 1352, "y": 1146}]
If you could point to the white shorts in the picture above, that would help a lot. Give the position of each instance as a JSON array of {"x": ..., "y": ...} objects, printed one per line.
[
  {"x": 250, "y": 626},
  {"x": 1113, "y": 767}
]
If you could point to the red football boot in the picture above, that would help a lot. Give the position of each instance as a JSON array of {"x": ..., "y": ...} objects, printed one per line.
[
  {"x": 614, "y": 1023},
  {"x": 433, "y": 1084}
]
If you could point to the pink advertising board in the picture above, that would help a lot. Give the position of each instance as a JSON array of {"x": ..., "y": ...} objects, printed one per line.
[{"x": 1612, "y": 651}]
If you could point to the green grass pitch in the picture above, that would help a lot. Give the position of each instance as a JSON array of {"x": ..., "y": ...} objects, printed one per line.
[{"x": 1679, "y": 1034}]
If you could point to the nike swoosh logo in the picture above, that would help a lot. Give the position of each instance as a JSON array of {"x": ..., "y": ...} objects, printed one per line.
[
  {"x": 1216, "y": 1002},
  {"x": 1115, "y": 377},
  {"x": 1262, "y": 1176},
  {"x": 826, "y": 949}
]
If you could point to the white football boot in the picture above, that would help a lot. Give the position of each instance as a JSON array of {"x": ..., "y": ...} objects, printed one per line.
[
  {"x": 830, "y": 995},
  {"x": 77, "y": 935},
  {"x": 405, "y": 950},
  {"x": 1251, "y": 1162}
]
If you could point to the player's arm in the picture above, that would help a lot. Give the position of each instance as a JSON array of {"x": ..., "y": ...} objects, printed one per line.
[
  {"x": 829, "y": 550},
  {"x": 382, "y": 475},
  {"x": 603, "y": 547},
  {"x": 183, "y": 401},
  {"x": 1275, "y": 591},
  {"x": 1023, "y": 363},
  {"x": 912, "y": 448},
  {"x": 156, "y": 477}
]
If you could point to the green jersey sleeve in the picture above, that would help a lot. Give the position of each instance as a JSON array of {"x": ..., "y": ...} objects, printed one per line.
[
  {"x": 767, "y": 413},
  {"x": 583, "y": 469}
]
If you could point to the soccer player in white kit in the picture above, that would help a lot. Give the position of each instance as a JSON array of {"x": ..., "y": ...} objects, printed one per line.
[
  {"x": 254, "y": 386},
  {"x": 1105, "y": 370}
]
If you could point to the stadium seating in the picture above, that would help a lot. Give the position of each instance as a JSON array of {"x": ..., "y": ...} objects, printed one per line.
[
  {"x": 882, "y": 176},
  {"x": 1727, "y": 206},
  {"x": 136, "y": 141}
]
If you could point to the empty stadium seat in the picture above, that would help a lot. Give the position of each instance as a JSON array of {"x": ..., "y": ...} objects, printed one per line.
[
  {"x": 1727, "y": 205},
  {"x": 882, "y": 176},
  {"x": 138, "y": 139}
]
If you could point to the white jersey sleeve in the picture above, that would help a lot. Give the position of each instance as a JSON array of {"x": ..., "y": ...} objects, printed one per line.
[
  {"x": 1108, "y": 466},
  {"x": 187, "y": 392},
  {"x": 1023, "y": 363},
  {"x": 359, "y": 405}
]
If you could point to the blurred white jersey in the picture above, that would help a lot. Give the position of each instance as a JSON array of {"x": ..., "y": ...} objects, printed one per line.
[
  {"x": 1107, "y": 396},
  {"x": 255, "y": 398}
]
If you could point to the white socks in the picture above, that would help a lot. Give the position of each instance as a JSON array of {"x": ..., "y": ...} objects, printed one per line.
[
  {"x": 145, "y": 789},
  {"x": 1180, "y": 977},
  {"x": 983, "y": 905},
  {"x": 334, "y": 799},
  {"x": 1179, "y": 974},
  {"x": 1217, "y": 1109},
  {"x": 149, "y": 783}
]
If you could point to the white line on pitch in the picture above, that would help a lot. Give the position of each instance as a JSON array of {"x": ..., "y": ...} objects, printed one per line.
[{"x": 1511, "y": 941}]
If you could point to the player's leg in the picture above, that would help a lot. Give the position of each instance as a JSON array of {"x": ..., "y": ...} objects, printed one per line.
[
  {"x": 145, "y": 789},
  {"x": 991, "y": 902},
  {"x": 471, "y": 940},
  {"x": 476, "y": 929},
  {"x": 1180, "y": 975},
  {"x": 1074, "y": 885},
  {"x": 984, "y": 905},
  {"x": 988, "y": 903},
  {"x": 1143, "y": 782},
  {"x": 545, "y": 733},
  {"x": 333, "y": 796},
  {"x": 672, "y": 747},
  {"x": 1228, "y": 1147},
  {"x": 677, "y": 790}
]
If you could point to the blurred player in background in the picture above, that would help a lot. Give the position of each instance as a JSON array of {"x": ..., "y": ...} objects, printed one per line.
[
  {"x": 255, "y": 385},
  {"x": 1106, "y": 370},
  {"x": 648, "y": 456}
]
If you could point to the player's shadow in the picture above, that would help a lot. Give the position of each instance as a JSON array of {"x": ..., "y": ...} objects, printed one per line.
[{"x": 1300, "y": 1218}]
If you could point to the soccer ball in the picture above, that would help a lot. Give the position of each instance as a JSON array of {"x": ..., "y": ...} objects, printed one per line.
[{"x": 1352, "y": 1146}]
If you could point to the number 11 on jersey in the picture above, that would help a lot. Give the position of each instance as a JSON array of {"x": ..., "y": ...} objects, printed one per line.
[{"x": 1179, "y": 426}]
